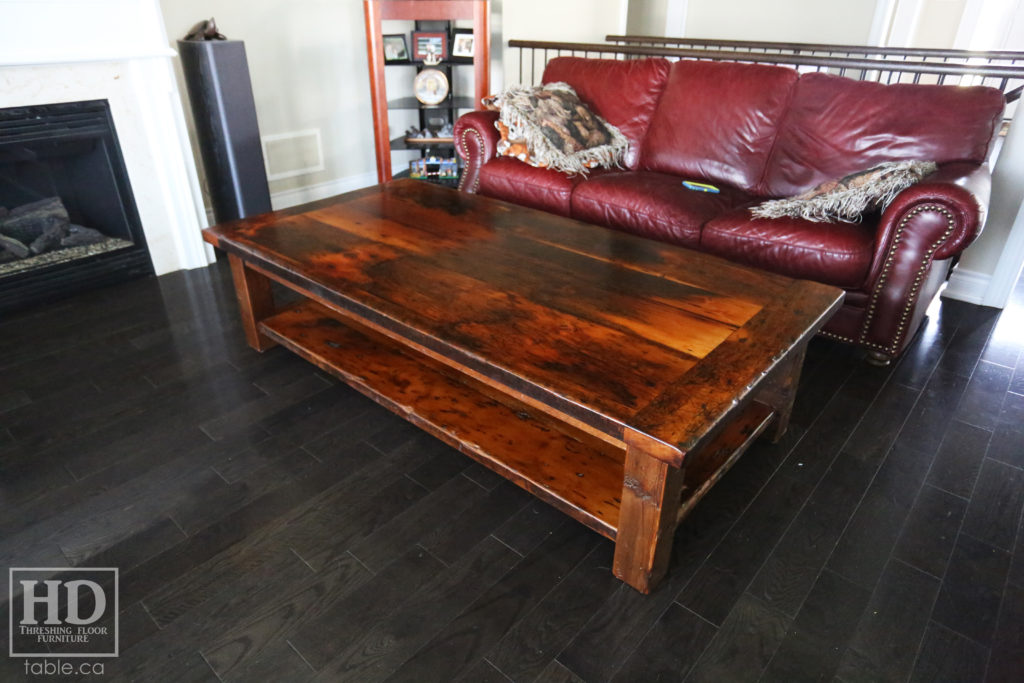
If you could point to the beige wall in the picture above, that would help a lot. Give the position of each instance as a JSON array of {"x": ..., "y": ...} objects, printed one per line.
[
  {"x": 577, "y": 21},
  {"x": 937, "y": 23},
  {"x": 809, "y": 21},
  {"x": 564, "y": 20},
  {"x": 647, "y": 17},
  {"x": 308, "y": 66}
]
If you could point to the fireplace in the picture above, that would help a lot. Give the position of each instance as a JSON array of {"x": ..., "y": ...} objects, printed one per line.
[
  {"x": 68, "y": 220},
  {"x": 55, "y": 53}
]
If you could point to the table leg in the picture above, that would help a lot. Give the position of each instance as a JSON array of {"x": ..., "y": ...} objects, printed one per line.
[
  {"x": 780, "y": 392},
  {"x": 651, "y": 494},
  {"x": 255, "y": 301}
]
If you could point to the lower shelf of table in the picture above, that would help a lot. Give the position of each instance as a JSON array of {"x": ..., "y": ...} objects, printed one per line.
[
  {"x": 580, "y": 476},
  {"x": 574, "y": 472}
]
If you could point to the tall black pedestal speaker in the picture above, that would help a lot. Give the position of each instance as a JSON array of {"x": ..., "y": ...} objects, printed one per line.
[{"x": 217, "y": 78}]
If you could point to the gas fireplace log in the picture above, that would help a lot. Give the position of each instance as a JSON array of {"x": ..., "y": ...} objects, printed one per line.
[
  {"x": 55, "y": 229},
  {"x": 52, "y": 204},
  {"x": 27, "y": 222},
  {"x": 9, "y": 245},
  {"x": 79, "y": 236}
]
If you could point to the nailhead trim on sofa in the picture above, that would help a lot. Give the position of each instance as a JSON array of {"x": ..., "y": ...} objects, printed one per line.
[
  {"x": 465, "y": 155},
  {"x": 915, "y": 288}
]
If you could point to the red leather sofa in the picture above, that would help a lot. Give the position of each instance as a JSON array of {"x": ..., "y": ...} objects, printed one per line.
[{"x": 760, "y": 132}]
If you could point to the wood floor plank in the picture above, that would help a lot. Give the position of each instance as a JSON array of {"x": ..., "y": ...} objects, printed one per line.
[
  {"x": 972, "y": 589},
  {"x": 948, "y": 656},
  {"x": 974, "y": 326},
  {"x": 932, "y": 415},
  {"x": 451, "y": 541},
  {"x": 743, "y": 646},
  {"x": 881, "y": 424},
  {"x": 669, "y": 651},
  {"x": 528, "y": 647},
  {"x": 958, "y": 459},
  {"x": 192, "y": 513},
  {"x": 818, "y": 636},
  {"x": 390, "y": 642},
  {"x": 484, "y": 672},
  {"x": 721, "y": 582},
  {"x": 1005, "y": 445},
  {"x": 984, "y": 395},
  {"x": 993, "y": 514},
  {"x": 261, "y": 408},
  {"x": 272, "y": 510},
  {"x": 920, "y": 359},
  {"x": 930, "y": 532},
  {"x": 528, "y": 528},
  {"x": 231, "y": 604},
  {"x": 468, "y": 637},
  {"x": 406, "y": 529},
  {"x": 790, "y": 572},
  {"x": 1007, "y": 660},
  {"x": 9, "y": 400},
  {"x": 886, "y": 642},
  {"x": 864, "y": 548},
  {"x": 331, "y": 608}
]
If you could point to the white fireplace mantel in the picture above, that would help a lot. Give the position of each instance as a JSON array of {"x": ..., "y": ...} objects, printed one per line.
[{"x": 117, "y": 50}]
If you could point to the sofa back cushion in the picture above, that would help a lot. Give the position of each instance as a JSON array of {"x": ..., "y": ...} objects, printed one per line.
[
  {"x": 624, "y": 93},
  {"x": 836, "y": 126},
  {"x": 717, "y": 121}
]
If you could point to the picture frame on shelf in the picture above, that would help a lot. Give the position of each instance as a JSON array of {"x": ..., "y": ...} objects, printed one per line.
[
  {"x": 429, "y": 46},
  {"x": 395, "y": 49},
  {"x": 462, "y": 43}
]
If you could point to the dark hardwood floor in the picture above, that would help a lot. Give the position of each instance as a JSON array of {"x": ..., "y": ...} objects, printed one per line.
[{"x": 272, "y": 525}]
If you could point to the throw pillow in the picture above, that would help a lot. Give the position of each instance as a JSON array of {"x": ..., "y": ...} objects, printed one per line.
[
  {"x": 848, "y": 198},
  {"x": 550, "y": 127}
]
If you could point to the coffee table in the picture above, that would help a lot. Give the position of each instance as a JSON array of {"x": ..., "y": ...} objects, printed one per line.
[{"x": 614, "y": 377}]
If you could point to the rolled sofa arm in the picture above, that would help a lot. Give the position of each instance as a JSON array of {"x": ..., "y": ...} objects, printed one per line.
[
  {"x": 962, "y": 189},
  {"x": 931, "y": 221},
  {"x": 476, "y": 141}
]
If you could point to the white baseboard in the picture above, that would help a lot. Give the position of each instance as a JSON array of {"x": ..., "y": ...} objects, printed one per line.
[
  {"x": 967, "y": 285},
  {"x": 311, "y": 193}
]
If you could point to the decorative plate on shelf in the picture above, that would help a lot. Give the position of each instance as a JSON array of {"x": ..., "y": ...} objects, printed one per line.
[{"x": 430, "y": 86}]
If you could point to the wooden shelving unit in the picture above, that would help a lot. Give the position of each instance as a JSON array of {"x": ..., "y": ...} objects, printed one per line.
[{"x": 378, "y": 11}]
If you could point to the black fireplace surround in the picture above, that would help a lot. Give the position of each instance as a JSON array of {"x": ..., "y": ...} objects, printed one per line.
[{"x": 65, "y": 158}]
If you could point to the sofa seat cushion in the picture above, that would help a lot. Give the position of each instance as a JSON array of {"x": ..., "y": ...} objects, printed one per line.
[
  {"x": 832, "y": 253},
  {"x": 539, "y": 188},
  {"x": 654, "y": 205}
]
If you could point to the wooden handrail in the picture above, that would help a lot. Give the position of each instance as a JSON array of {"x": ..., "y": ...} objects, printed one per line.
[{"x": 822, "y": 47}]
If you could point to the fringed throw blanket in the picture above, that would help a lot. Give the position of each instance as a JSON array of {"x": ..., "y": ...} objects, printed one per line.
[
  {"x": 550, "y": 127},
  {"x": 848, "y": 198}
]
